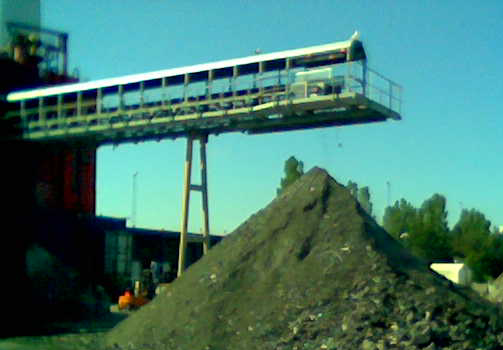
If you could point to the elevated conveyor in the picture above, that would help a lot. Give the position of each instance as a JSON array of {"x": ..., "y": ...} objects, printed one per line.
[
  {"x": 256, "y": 94},
  {"x": 320, "y": 86}
]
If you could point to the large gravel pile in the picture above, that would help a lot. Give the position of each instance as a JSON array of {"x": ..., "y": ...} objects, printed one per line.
[{"x": 311, "y": 271}]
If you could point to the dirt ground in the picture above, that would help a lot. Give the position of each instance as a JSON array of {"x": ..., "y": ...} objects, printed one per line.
[{"x": 84, "y": 335}]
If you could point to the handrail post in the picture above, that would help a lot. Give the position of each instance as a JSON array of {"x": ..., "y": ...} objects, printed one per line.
[
  {"x": 261, "y": 68},
  {"x": 390, "y": 95},
  {"x": 209, "y": 84},
  {"x": 142, "y": 94},
  {"x": 186, "y": 81},
  {"x": 348, "y": 76},
  {"x": 99, "y": 101},
  {"x": 288, "y": 84},
  {"x": 364, "y": 77},
  {"x": 41, "y": 114},
  {"x": 164, "y": 87},
  {"x": 24, "y": 119},
  {"x": 121, "y": 98},
  {"x": 60, "y": 107},
  {"x": 79, "y": 104}
]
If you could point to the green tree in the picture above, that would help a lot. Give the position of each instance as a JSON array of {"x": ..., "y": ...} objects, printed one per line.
[
  {"x": 362, "y": 195},
  {"x": 494, "y": 258},
  {"x": 423, "y": 231},
  {"x": 486, "y": 262},
  {"x": 364, "y": 199},
  {"x": 470, "y": 232},
  {"x": 430, "y": 236},
  {"x": 353, "y": 188},
  {"x": 400, "y": 219},
  {"x": 294, "y": 169},
  {"x": 482, "y": 250}
]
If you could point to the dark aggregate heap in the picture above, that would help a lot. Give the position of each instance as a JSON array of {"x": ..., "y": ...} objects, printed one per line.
[{"x": 312, "y": 271}]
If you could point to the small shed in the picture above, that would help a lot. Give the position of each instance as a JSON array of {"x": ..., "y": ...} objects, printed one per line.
[{"x": 456, "y": 272}]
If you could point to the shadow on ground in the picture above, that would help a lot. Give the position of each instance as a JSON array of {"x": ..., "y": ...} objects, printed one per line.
[{"x": 83, "y": 335}]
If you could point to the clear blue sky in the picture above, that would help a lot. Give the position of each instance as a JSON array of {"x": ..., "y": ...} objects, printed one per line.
[{"x": 446, "y": 54}]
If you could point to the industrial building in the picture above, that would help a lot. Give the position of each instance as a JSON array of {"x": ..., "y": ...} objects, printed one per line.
[
  {"x": 48, "y": 189},
  {"x": 126, "y": 247}
]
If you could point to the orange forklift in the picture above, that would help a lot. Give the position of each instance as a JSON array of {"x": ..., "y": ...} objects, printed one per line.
[{"x": 132, "y": 301}]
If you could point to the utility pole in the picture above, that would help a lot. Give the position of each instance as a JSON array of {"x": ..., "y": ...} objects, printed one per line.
[
  {"x": 388, "y": 185},
  {"x": 133, "y": 209}
]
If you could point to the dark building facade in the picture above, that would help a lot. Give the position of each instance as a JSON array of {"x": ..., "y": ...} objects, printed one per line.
[{"x": 126, "y": 246}]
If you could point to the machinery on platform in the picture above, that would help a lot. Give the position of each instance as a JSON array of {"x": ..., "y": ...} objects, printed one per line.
[{"x": 317, "y": 82}]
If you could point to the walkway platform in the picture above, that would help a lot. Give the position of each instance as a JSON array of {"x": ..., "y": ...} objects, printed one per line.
[{"x": 264, "y": 112}]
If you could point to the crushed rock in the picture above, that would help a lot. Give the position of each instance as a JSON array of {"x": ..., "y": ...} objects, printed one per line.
[{"x": 311, "y": 271}]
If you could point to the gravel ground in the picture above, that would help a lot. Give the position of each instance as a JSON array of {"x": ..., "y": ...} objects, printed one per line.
[
  {"x": 312, "y": 271},
  {"x": 85, "y": 335}
]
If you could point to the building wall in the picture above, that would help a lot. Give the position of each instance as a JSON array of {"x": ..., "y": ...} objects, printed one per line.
[
  {"x": 124, "y": 250},
  {"x": 65, "y": 178},
  {"x": 21, "y": 11},
  {"x": 55, "y": 177},
  {"x": 118, "y": 252}
]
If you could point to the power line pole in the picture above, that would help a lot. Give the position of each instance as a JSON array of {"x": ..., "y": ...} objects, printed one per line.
[
  {"x": 388, "y": 185},
  {"x": 133, "y": 209}
]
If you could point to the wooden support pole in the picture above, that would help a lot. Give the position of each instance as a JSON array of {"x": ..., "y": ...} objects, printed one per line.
[
  {"x": 187, "y": 187},
  {"x": 204, "y": 192},
  {"x": 185, "y": 207}
]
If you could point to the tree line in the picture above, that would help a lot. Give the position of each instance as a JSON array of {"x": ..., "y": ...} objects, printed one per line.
[{"x": 425, "y": 230}]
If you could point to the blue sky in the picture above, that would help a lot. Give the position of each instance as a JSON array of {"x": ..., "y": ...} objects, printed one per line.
[{"x": 446, "y": 55}]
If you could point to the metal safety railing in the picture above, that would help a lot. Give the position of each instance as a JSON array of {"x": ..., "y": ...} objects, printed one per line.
[
  {"x": 384, "y": 91},
  {"x": 126, "y": 104},
  {"x": 374, "y": 86}
]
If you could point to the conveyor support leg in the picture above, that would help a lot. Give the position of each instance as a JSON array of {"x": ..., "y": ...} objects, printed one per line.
[{"x": 187, "y": 187}]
